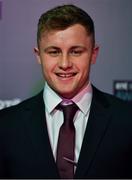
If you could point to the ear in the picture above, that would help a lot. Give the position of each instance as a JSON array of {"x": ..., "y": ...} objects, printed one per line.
[
  {"x": 94, "y": 54},
  {"x": 37, "y": 54}
]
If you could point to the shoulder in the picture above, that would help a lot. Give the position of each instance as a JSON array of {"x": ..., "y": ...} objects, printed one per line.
[
  {"x": 114, "y": 103},
  {"x": 29, "y": 103}
]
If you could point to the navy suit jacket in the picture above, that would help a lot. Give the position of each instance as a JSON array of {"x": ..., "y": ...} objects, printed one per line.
[{"x": 106, "y": 152}]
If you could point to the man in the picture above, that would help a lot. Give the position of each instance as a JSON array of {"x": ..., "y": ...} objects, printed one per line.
[{"x": 30, "y": 131}]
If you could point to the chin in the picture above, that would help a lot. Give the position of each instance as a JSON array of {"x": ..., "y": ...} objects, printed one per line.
[
  {"x": 67, "y": 95},
  {"x": 65, "y": 91}
]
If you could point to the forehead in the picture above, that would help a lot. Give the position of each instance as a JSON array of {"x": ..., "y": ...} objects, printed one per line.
[{"x": 76, "y": 33}]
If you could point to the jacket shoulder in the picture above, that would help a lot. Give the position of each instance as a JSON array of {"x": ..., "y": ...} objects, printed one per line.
[
  {"x": 25, "y": 104},
  {"x": 110, "y": 100}
]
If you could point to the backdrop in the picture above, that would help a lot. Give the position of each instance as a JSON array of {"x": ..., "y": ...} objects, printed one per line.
[{"x": 20, "y": 75}]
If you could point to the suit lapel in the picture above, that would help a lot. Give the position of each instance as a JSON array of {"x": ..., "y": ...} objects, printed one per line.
[
  {"x": 38, "y": 135},
  {"x": 97, "y": 125}
]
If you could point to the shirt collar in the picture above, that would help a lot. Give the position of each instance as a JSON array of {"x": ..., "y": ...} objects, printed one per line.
[
  {"x": 51, "y": 99},
  {"x": 82, "y": 99}
]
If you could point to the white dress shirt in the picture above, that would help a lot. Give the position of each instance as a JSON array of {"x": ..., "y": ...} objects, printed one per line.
[{"x": 54, "y": 117}]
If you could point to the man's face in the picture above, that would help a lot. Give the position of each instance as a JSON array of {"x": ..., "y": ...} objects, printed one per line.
[{"x": 66, "y": 57}]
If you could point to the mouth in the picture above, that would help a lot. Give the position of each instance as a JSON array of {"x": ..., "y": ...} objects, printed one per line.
[{"x": 66, "y": 75}]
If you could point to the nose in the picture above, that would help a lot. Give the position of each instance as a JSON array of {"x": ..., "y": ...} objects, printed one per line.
[{"x": 65, "y": 62}]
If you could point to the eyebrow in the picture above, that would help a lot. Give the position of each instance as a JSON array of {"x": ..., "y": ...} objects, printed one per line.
[
  {"x": 78, "y": 46},
  {"x": 72, "y": 47}
]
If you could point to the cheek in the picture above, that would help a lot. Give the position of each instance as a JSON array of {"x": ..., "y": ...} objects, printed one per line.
[
  {"x": 84, "y": 66},
  {"x": 48, "y": 65}
]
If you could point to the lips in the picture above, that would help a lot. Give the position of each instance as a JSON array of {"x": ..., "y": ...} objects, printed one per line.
[{"x": 66, "y": 75}]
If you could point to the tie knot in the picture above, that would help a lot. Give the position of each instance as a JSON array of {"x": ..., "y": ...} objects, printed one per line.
[{"x": 69, "y": 112}]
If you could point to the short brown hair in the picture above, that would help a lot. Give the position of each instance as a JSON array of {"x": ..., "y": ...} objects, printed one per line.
[{"x": 62, "y": 17}]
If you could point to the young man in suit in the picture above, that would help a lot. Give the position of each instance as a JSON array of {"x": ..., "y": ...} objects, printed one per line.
[{"x": 29, "y": 132}]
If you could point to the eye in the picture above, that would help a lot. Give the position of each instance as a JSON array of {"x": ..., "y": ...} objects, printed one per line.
[
  {"x": 76, "y": 52},
  {"x": 54, "y": 53}
]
